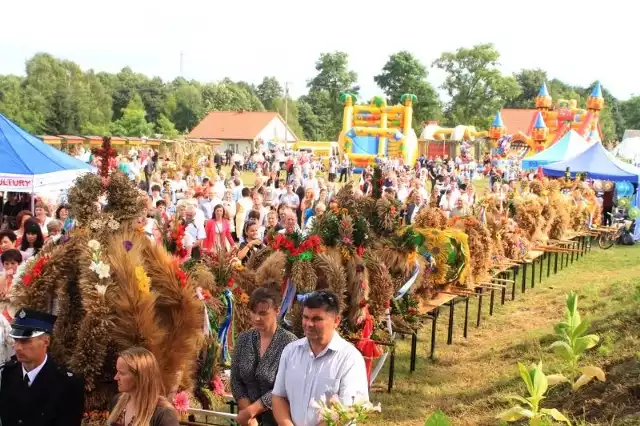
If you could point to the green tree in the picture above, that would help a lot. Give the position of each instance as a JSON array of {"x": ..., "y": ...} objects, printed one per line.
[
  {"x": 291, "y": 115},
  {"x": 630, "y": 111},
  {"x": 529, "y": 81},
  {"x": 268, "y": 91},
  {"x": 99, "y": 111},
  {"x": 404, "y": 73},
  {"x": 333, "y": 78},
  {"x": 166, "y": 128},
  {"x": 133, "y": 120},
  {"x": 21, "y": 105},
  {"x": 68, "y": 99},
  {"x": 188, "y": 106},
  {"x": 154, "y": 94},
  {"x": 475, "y": 85},
  {"x": 312, "y": 128}
]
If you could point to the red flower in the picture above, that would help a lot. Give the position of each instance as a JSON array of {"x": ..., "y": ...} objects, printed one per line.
[
  {"x": 360, "y": 250},
  {"x": 27, "y": 279},
  {"x": 387, "y": 304},
  {"x": 182, "y": 277},
  {"x": 231, "y": 282},
  {"x": 411, "y": 310}
]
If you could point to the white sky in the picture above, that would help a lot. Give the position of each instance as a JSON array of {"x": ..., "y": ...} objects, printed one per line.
[{"x": 577, "y": 42}]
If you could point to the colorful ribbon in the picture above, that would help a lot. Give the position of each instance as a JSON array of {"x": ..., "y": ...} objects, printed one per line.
[
  {"x": 223, "y": 332},
  {"x": 287, "y": 299},
  {"x": 384, "y": 356},
  {"x": 366, "y": 346},
  {"x": 410, "y": 282}
]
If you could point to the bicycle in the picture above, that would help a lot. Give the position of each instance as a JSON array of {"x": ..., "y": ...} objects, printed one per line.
[{"x": 611, "y": 234}]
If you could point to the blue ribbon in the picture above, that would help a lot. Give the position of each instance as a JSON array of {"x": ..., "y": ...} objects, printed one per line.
[
  {"x": 223, "y": 332},
  {"x": 287, "y": 300},
  {"x": 410, "y": 282}
]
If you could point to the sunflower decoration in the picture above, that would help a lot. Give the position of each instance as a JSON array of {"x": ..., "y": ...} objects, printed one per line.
[
  {"x": 480, "y": 245},
  {"x": 449, "y": 250}
]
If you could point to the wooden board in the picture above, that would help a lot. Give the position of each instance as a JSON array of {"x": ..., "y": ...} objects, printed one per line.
[{"x": 436, "y": 302}]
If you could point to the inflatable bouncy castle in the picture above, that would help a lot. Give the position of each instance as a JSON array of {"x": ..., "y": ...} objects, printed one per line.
[{"x": 378, "y": 130}]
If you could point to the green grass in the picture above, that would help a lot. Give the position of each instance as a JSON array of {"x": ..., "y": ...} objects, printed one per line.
[{"x": 469, "y": 379}]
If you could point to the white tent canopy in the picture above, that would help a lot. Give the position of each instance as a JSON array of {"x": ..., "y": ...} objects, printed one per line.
[{"x": 629, "y": 149}]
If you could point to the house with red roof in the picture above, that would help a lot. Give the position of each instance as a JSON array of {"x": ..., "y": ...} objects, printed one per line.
[{"x": 242, "y": 130}]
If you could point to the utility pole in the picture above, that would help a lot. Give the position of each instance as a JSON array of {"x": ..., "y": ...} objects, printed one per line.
[{"x": 286, "y": 113}]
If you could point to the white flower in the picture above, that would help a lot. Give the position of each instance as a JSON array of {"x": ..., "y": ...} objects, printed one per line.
[
  {"x": 114, "y": 224},
  {"x": 102, "y": 289},
  {"x": 199, "y": 293},
  {"x": 96, "y": 224},
  {"x": 94, "y": 245},
  {"x": 101, "y": 268},
  {"x": 20, "y": 271}
]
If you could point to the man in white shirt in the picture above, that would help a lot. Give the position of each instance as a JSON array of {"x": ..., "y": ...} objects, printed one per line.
[
  {"x": 320, "y": 364},
  {"x": 195, "y": 229}
]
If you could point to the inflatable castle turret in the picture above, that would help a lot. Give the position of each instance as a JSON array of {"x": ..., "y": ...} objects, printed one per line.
[
  {"x": 595, "y": 102},
  {"x": 540, "y": 132},
  {"x": 497, "y": 129},
  {"x": 543, "y": 100}
]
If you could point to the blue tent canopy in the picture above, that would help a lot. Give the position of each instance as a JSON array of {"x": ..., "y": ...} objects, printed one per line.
[
  {"x": 598, "y": 163},
  {"x": 570, "y": 145},
  {"x": 29, "y": 165}
]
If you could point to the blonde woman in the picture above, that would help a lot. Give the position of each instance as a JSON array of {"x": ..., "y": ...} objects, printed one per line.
[{"x": 140, "y": 401}]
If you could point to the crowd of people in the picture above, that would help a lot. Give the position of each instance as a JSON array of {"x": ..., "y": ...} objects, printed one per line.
[{"x": 275, "y": 376}]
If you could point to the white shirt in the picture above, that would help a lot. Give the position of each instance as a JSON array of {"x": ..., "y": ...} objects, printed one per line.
[
  {"x": 33, "y": 373},
  {"x": 303, "y": 378}
]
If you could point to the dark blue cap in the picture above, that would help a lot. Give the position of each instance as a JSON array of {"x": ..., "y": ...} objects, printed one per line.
[{"x": 29, "y": 323}]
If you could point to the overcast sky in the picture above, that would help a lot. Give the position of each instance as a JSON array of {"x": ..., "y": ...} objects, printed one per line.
[{"x": 577, "y": 42}]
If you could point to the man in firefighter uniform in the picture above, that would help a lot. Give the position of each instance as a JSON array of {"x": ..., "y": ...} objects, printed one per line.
[{"x": 34, "y": 390}]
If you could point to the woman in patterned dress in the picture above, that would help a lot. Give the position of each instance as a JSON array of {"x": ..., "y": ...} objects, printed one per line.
[{"x": 256, "y": 358}]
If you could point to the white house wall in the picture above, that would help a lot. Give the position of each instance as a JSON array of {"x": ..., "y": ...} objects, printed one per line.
[{"x": 276, "y": 130}]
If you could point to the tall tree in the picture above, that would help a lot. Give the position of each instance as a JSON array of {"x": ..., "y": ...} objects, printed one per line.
[
  {"x": 154, "y": 94},
  {"x": 228, "y": 96},
  {"x": 529, "y": 81},
  {"x": 268, "y": 91},
  {"x": 475, "y": 85},
  {"x": 133, "y": 121},
  {"x": 404, "y": 73},
  {"x": 166, "y": 128},
  {"x": 333, "y": 78},
  {"x": 68, "y": 99},
  {"x": 24, "y": 105},
  {"x": 630, "y": 111},
  {"x": 188, "y": 106},
  {"x": 312, "y": 128}
]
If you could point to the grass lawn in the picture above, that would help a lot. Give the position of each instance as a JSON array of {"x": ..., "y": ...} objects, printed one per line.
[{"x": 469, "y": 379}]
